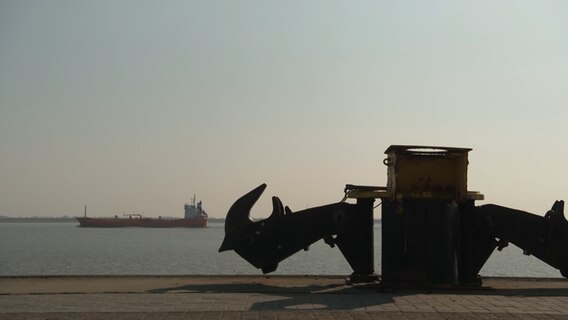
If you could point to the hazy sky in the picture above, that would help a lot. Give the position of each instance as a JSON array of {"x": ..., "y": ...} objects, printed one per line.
[{"x": 136, "y": 105}]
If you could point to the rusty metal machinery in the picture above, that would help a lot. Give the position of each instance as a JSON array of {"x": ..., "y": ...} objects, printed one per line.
[
  {"x": 267, "y": 242},
  {"x": 432, "y": 232}
]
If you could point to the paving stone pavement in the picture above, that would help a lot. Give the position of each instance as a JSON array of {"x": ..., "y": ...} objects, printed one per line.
[{"x": 298, "y": 299}]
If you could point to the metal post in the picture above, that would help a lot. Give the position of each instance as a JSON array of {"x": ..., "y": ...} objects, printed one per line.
[{"x": 357, "y": 245}]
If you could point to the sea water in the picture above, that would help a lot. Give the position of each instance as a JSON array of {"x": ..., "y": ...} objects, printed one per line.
[{"x": 64, "y": 249}]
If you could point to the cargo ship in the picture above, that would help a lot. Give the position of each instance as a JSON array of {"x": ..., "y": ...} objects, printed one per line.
[{"x": 195, "y": 217}]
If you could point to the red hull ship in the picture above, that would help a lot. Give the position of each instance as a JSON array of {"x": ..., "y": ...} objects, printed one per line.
[{"x": 195, "y": 217}]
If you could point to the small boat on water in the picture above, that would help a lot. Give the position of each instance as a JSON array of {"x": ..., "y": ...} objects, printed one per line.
[{"x": 195, "y": 217}]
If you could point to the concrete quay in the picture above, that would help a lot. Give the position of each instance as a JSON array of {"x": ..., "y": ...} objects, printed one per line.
[{"x": 273, "y": 297}]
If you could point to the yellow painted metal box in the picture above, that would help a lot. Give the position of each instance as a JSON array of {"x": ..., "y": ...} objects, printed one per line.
[{"x": 427, "y": 172}]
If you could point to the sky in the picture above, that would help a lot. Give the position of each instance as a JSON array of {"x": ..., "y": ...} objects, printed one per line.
[{"x": 134, "y": 106}]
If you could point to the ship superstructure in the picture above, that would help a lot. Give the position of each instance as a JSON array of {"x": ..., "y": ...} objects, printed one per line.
[{"x": 194, "y": 210}]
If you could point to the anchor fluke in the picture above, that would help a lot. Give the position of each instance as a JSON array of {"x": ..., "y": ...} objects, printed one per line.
[
  {"x": 239, "y": 215},
  {"x": 277, "y": 207}
]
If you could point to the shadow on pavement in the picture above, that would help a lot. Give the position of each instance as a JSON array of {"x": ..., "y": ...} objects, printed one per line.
[{"x": 324, "y": 297}]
